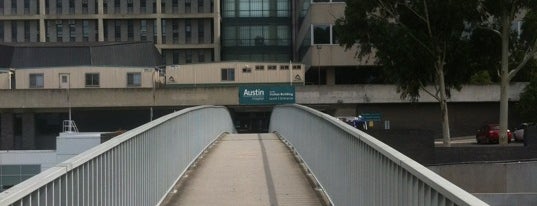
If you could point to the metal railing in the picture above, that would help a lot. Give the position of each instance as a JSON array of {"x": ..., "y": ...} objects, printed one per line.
[
  {"x": 354, "y": 168},
  {"x": 138, "y": 167}
]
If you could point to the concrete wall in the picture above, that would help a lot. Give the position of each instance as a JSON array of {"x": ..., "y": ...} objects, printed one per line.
[
  {"x": 69, "y": 145},
  {"x": 308, "y": 95},
  {"x": 4, "y": 80},
  {"x": 45, "y": 158},
  {"x": 371, "y": 93},
  {"x": 517, "y": 177}
]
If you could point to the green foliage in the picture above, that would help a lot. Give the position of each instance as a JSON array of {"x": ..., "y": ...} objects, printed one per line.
[
  {"x": 410, "y": 38},
  {"x": 527, "y": 106},
  {"x": 486, "y": 40},
  {"x": 481, "y": 78}
]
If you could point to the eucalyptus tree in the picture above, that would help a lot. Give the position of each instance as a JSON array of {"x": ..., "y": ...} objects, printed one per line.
[
  {"x": 514, "y": 23},
  {"x": 420, "y": 44}
]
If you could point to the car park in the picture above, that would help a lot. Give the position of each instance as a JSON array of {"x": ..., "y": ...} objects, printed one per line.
[{"x": 489, "y": 133}]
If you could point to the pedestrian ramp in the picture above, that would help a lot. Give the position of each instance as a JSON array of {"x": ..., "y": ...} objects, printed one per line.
[{"x": 245, "y": 169}]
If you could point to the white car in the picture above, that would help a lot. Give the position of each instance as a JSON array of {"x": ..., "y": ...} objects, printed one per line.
[{"x": 519, "y": 132}]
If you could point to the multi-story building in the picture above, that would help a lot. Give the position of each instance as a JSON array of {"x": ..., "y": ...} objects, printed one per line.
[{"x": 185, "y": 31}]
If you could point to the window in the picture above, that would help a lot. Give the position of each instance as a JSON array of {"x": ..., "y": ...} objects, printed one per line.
[
  {"x": 85, "y": 30},
  {"x": 200, "y": 6},
  {"x": 321, "y": 34},
  {"x": 188, "y": 57},
  {"x": 36, "y": 81},
  {"x": 129, "y": 6},
  {"x": 175, "y": 32},
  {"x": 259, "y": 67},
  {"x": 143, "y": 30},
  {"x": 26, "y": 31},
  {"x": 246, "y": 70},
  {"x": 271, "y": 67},
  {"x": 201, "y": 57},
  {"x": 92, "y": 79},
  {"x": 72, "y": 31},
  {"x": 26, "y": 6},
  {"x": 188, "y": 5},
  {"x": 228, "y": 74},
  {"x": 59, "y": 7},
  {"x": 14, "y": 31},
  {"x": 117, "y": 30},
  {"x": 85, "y": 6},
  {"x": 284, "y": 67},
  {"x": 188, "y": 31},
  {"x": 134, "y": 79},
  {"x": 130, "y": 30},
  {"x": 59, "y": 30},
  {"x": 297, "y": 67},
  {"x": 201, "y": 31},
  {"x": 71, "y": 6},
  {"x": 14, "y": 174}
]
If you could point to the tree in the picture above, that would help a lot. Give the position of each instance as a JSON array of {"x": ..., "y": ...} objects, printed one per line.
[
  {"x": 418, "y": 43},
  {"x": 517, "y": 47}
]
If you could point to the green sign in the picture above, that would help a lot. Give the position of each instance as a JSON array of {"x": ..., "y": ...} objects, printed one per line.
[
  {"x": 371, "y": 117},
  {"x": 266, "y": 95}
]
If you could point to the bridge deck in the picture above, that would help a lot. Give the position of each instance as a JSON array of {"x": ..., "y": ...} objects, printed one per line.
[{"x": 246, "y": 169}]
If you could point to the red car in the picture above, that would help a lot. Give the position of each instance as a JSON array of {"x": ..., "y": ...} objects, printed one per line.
[{"x": 489, "y": 134}]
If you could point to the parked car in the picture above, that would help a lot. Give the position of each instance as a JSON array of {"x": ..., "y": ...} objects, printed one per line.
[
  {"x": 518, "y": 133},
  {"x": 489, "y": 134}
]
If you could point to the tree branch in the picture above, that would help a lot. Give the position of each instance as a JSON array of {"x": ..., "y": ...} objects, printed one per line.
[
  {"x": 530, "y": 53},
  {"x": 415, "y": 13},
  {"x": 384, "y": 7},
  {"x": 431, "y": 94}
]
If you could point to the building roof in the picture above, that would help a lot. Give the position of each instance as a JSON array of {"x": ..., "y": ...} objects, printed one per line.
[{"x": 33, "y": 55}]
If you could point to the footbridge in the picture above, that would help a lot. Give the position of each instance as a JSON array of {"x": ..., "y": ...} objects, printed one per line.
[{"x": 195, "y": 157}]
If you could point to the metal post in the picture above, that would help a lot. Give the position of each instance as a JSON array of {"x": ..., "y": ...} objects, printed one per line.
[{"x": 319, "y": 64}]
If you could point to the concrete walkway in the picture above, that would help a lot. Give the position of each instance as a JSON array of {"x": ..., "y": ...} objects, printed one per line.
[{"x": 246, "y": 169}]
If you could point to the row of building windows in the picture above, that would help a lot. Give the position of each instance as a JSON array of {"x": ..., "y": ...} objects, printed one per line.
[
  {"x": 11, "y": 7},
  {"x": 256, "y": 8},
  {"x": 176, "y": 31},
  {"x": 134, "y": 79},
  {"x": 228, "y": 74},
  {"x": 254, "y": 35}
]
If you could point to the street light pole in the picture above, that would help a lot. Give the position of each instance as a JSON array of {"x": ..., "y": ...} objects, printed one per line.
[{"x": 319, "y": 64}]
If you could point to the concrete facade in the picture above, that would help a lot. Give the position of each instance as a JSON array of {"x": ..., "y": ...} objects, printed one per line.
[
  {"x": 228, "y": 95},
  {"x": 109, "y": 77},
  {"x": 516, "y": 177},
  {"x": 243, "y": 73}
]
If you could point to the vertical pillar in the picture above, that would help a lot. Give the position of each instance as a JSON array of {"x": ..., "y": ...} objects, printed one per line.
[
  {"x": 216, "y": 30},
  {"x": 330, "y": 76},
  {"x": 42, "y": 25},
  {"x": 6, "y": 134},
  {"x": 28, "y": 131},
  {"x": 100, "y": 23},
  {"x": 159, "y": 21}
]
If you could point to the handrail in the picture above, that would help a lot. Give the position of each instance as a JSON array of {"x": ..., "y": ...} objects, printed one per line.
[
  {"x": 138, "y": 167},
  {"x": 354, "y": 168}
]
